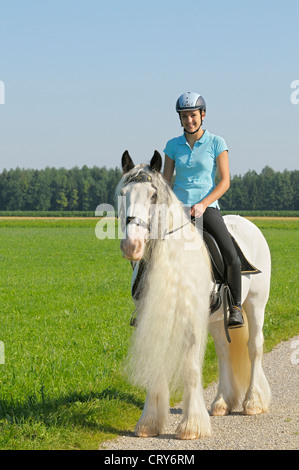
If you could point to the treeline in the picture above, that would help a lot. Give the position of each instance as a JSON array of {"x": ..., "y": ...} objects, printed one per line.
[
  {"x": 269, "y": 190},
  {"x": 51, "y": 189},
  {"x": 83, "y": 189}
]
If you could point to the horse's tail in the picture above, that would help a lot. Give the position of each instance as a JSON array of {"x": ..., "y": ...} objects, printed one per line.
[{"x": 239, "y": 357}]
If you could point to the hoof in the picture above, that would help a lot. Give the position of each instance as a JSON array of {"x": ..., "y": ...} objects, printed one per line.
[
  {"x": 144, "y": 434},
  {"x": 220, "y": 412},
  {"x": 143, "y": 430},
  {"x": 252, "y": 411},
  {"x": 219, "y": 407},
  {"x": 253, "y": 407},
  {"x": 186, "y": 436},
  {"x": 185, "y": 432}
]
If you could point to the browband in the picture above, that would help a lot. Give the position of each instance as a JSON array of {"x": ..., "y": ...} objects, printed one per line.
[{"x": 141, "y": 177}]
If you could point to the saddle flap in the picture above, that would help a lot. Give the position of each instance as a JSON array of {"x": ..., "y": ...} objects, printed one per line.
[{"x": 215, "y": 255}]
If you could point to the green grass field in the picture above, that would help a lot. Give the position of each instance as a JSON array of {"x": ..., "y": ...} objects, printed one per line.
[{"x": 65, "y": 312}]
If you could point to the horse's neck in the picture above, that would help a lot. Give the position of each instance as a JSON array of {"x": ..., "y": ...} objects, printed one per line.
[
  {"x": 175, "y": 235},
  {"x": 175, "y": 217}
]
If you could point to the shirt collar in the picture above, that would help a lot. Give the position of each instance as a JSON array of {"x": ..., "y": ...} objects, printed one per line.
[{"x": 202, "y": 140}]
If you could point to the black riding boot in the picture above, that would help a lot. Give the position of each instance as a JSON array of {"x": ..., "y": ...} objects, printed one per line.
[{"x": 234, "y": 282}]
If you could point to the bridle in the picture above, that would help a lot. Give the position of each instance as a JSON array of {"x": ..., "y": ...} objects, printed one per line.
[
  {"x": 143, "y": 177},
  {"x": 137, "y": 221}
]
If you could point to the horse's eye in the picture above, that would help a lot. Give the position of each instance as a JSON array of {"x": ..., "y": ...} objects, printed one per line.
[{"x": 154, "y": 197}]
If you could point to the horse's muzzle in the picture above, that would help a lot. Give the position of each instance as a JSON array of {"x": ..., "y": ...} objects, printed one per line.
[{"x": 132, "y": 249}]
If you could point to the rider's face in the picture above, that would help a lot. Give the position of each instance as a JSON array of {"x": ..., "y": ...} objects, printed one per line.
[{"x": 191, "y": 120}]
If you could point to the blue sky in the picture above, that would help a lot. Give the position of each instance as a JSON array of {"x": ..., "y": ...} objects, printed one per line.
[{"x": 86, "y": 79}]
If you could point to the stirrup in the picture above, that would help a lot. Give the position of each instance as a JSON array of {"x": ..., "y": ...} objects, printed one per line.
[
  {"x": 215, "y": 298},
  {"x": 215, "y": 302},
  {"x": 235, "y": 319},
  {"x": 133, "y": 321}
]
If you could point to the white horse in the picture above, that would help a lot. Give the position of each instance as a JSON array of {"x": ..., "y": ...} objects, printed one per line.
[{"x": 172, "y": 307}]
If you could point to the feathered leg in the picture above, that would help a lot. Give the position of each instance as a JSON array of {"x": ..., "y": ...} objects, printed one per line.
[
  {"x": 196, "y": 420},
  {"x": 155, "y": 412}
]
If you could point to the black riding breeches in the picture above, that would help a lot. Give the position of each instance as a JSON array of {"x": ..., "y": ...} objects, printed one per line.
[{"x": 214, "y": 224}]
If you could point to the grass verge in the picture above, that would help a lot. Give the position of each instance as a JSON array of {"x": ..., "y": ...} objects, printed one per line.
[{"x": 65, "y": 310}]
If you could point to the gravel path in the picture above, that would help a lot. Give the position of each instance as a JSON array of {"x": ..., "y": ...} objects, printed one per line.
[{"x": 276, "y": 430}]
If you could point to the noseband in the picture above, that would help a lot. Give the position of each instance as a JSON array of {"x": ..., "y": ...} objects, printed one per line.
[{"x": 139, "y": 222}]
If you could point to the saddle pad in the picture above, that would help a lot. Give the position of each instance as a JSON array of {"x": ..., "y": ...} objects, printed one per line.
[
  {"x": 246, "y": 266},
  {"x": 218, "y": 262}
]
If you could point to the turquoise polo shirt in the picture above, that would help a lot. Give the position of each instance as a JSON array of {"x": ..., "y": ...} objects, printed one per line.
[{"x": 195, "y": 169}]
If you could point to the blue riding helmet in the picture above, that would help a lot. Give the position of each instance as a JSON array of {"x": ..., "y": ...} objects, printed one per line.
[{"x": 190, "y": 101}]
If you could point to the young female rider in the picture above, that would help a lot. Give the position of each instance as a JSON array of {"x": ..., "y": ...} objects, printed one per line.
[{"x": 196, "y": 155}]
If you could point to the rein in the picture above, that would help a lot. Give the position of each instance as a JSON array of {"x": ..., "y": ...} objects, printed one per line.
[
  {"x": 141, "y": 223},
  {"x": 179, "y": 228}
]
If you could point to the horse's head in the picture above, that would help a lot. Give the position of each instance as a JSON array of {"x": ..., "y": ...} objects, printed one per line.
[{"x": 139, "y": 192}]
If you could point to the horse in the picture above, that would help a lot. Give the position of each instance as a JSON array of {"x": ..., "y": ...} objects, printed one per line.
[{"x": 172, "y": 303}]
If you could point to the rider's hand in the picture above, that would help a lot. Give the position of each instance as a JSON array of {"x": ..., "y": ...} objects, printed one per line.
[{"x": 198, "y": 209}]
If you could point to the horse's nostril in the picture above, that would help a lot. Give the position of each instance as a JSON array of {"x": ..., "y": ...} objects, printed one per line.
[
  {"x": 138, "y": 245},
  {"x": 132, "y": 249}
]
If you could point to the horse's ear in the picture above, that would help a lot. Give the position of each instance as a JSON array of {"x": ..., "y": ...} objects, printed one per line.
[
  {"x": 126, "y": 162},
  {"x": 156, "y": 162}
]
